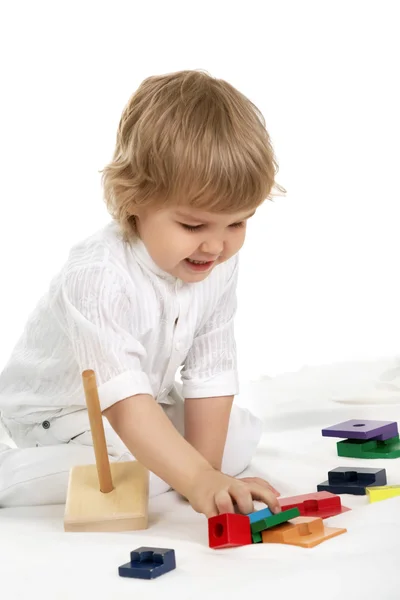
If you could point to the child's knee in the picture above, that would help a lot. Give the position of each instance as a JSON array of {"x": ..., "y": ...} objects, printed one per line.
[
  {"x": 244, "y": 434},
  {"x": 157, "y": 486},
  {"x": 36, "y": 476}
]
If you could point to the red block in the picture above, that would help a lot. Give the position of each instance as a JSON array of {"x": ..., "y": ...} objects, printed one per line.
[
  {"x": 317, "y": 504},
  {"x": 229, "y": 529}
]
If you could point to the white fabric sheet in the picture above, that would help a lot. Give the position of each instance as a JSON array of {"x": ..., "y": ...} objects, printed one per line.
[{"x": 39, "y": 560}]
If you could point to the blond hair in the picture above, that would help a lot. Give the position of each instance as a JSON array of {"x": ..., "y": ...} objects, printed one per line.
[{"x": 188, "y": 138}]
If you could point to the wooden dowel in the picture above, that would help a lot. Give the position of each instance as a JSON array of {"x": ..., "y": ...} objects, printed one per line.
[{"x": 97, "y": 428}]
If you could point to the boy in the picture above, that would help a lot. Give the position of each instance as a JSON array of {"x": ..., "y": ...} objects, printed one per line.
[{"x": 152, "y": 291}]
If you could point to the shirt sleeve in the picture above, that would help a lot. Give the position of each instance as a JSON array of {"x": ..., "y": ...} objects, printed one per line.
[
  {"x": 96, "y": 310},
  {"x": 210, "y": 368}
]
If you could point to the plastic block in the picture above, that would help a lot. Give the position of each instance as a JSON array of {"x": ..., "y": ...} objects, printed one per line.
[
  {"x": 317, "y": 504},
  {"x": 148, "y": 563},
  {"x": 358, "y": 429},
  {"x": 370, "y": 448},
  {"x": 268, "y": 522},
  {"x": 259, "y": 514},
  {"x": 349, "y": 480},
  {"x": 228, "y": 530},
  {"x": 376, "y": 494},
  {"x": 306, "y": 532}
]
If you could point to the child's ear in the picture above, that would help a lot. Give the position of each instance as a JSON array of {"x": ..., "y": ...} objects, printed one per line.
[{"x": 132, "y": 220}]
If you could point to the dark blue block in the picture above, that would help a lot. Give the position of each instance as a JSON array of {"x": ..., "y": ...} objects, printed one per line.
[
  {"x": 355, "y": 490},
  {"x": 349, "y": 480},
  {"x": 148, "y": 563}
]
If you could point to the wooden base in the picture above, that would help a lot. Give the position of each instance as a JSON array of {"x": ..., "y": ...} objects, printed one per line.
[{"x": 125, "y": 508}]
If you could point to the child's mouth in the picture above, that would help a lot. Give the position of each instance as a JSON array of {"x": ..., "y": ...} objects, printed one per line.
[{"x": 197, "y": 265}]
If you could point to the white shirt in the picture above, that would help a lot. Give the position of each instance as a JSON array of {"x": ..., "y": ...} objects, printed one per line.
[{"x": 113, "y": 310}]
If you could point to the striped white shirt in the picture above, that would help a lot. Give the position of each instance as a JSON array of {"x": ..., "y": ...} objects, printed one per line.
[{"x": 113, "y": 310}]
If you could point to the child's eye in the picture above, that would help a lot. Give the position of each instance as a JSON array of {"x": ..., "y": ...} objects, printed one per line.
[
  {"x": 197, "y": 227},
  {"x": 191, "y": 227},
  {"x": 241, "y": 224}
]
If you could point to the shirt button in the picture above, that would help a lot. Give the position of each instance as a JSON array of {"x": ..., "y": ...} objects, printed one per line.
[{"x": 46, "y": 425}]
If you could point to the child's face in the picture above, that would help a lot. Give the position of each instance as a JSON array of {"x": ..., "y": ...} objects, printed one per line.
[{"x": 177, "y": 235}]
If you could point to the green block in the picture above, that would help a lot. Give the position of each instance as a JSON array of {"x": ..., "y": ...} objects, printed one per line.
[
  {"x": 369, "y": 448},
  {"x": 269, "y": 522},
  {"x": 256, "y": 537}
]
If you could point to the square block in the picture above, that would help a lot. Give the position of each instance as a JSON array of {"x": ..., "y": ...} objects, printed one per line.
[
  {"x": 316, "y": 504},
  {"x": 148, "y": 563},
  {"x": 370, "y": 448},
  {"x": 228, "y": 530},
  {"x": 268, "y": 522},
  {"x": 358, "y": 429},
  {"x": 305, "y": 532},
  {"x": 376, "y": 494},
  {"x": 348, "y": 480}
]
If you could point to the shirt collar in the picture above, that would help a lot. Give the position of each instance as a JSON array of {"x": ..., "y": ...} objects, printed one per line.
[{"x": 143, "y": 257}]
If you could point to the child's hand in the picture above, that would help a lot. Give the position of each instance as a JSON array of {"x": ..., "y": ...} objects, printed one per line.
[
  {"x": 262, "y": 482},
  {"x": 213, "y": 493}
]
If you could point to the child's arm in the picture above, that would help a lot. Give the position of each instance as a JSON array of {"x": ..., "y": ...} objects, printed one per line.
[
  {"x": 151, "y": 437},
  {"x": 206, "y": 426},
  {"x": 153, "y": 440}
]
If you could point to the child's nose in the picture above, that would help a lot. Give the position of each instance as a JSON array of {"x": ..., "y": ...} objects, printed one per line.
[{"x": 213, "y": 247}]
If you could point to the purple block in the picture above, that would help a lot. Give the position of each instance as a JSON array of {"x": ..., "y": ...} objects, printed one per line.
[{"x": 358, "y": 429}]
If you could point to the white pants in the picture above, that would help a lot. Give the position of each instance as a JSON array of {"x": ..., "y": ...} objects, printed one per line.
[{"x": 36, "y": 472}]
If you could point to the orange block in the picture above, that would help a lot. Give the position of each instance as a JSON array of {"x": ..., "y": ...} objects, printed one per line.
[{"x": 306, "y": 532}]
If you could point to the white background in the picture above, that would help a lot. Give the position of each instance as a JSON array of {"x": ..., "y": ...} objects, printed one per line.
[{"x": 319, "y": 277}]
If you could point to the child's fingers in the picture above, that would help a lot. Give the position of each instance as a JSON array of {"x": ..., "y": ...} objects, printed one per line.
[
  {"x": 243, "y": 498},
  {"x": 223, "y": 502},
  {"x": 261, "y": 482},
  {"x": 261, "y": 493},
  {"x": 266, "y": 484},
  {"x": 210, "y": 510}
]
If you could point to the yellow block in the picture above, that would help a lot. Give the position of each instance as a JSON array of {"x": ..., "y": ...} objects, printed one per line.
[{"x": 376, "y": 494}]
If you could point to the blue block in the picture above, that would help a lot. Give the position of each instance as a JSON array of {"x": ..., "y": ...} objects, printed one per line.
[
  {"x": 148, "y": 563},
  {"x": 349, "y": 480},
  {"x": 259, "y": 514}
]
